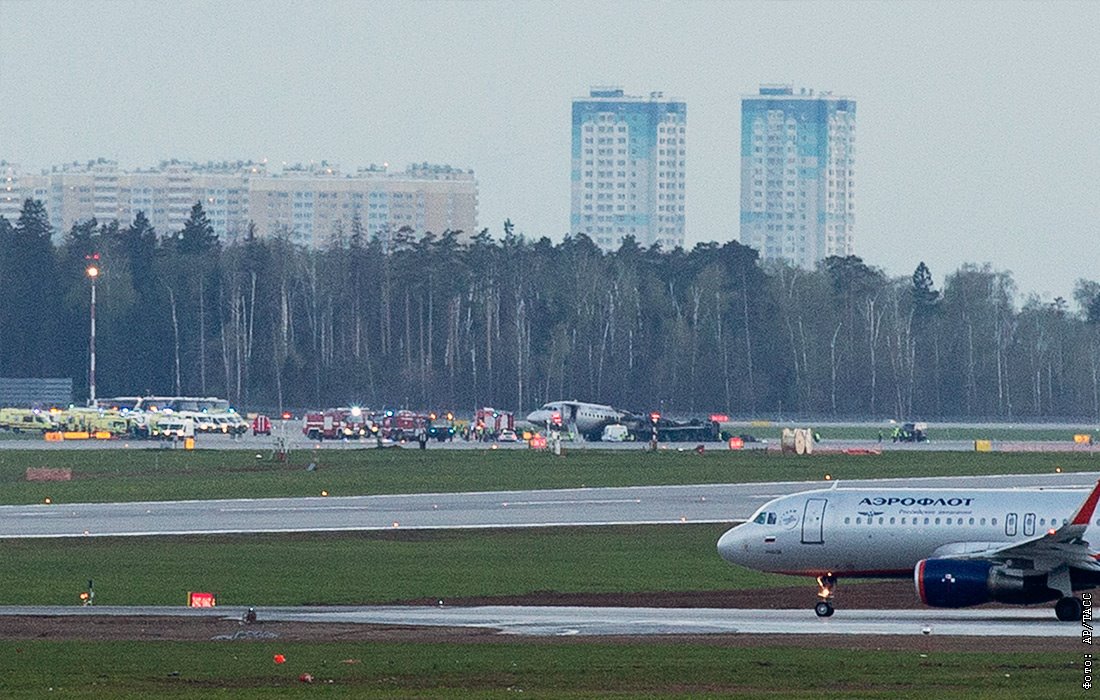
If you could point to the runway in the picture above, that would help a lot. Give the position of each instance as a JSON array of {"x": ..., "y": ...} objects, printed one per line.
[
  {"x": 596, "y": 622},
  {"x": 712, "y": 503},
  {"x": 629, "y": 505},
  {"x": 295, "y": 441}
]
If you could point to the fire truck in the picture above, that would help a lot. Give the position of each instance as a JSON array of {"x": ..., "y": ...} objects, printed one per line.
[
  {"x": 336, "y": 424},
  {"x": 404, "y": 424},
  {"x": 489, "y": 422},
  {"x": 261, "y": 425}
]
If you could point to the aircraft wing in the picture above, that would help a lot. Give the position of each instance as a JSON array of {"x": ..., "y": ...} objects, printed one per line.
[{"x": 1064, "y": 545}]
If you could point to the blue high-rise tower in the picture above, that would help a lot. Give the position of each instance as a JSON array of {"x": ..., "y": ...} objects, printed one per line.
[
  {"x": 628, "y": 168},
  {"x": 797, "y": 174}
]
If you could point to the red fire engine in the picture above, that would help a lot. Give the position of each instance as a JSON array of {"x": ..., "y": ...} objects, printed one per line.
[
  {"x": 261, "y": 425},
  {"x": 336, "y": 424},
  {"x": 488, "y": 422},
  {"x": 403, "y": 425}
]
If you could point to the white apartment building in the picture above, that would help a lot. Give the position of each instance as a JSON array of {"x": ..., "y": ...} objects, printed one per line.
[
  {"x": 16, "y": 186},
  {"x": 311, "y": 205},
  {"x": 798, "y": 174},
  {"x": 628, "y": 168}
]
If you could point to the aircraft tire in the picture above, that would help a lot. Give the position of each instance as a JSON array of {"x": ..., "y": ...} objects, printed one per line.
[
  {"x": 1068, "y": 609},
  {"x": 824, "y": 609}
]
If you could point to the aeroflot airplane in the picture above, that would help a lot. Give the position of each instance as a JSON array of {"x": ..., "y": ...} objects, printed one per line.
[
  {"x": 587, "y": 419},
  {"x": 961, "y": 546}
]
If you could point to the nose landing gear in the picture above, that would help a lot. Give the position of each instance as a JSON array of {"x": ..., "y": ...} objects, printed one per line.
[{"x": 825, "y": 584}]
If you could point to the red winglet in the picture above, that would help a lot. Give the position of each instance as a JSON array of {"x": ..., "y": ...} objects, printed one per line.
[{"x": 1084, "y": 515}]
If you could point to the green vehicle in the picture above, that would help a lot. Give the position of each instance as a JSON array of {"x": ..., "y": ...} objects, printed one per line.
[{"x": 26, "y": 420}]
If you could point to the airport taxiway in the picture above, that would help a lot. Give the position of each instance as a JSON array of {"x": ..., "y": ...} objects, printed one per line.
[
  {"x": 633, "y": 505},
  {"x": 291, "y": 434},
  {"x": 549, "y": 621}
]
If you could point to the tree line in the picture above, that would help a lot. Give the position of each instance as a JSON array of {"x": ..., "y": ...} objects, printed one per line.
[{"x": 436, "y": 321}]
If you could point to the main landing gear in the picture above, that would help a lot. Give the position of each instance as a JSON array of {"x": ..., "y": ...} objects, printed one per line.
[
  {"x": 825, "y": 584},
  {"x": 1068, "y": 609}
]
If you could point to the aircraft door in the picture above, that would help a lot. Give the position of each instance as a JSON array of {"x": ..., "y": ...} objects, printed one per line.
[
  {"x": 1029, "y": 524},
  {"x": 1010, "y": 524},
  {"x": 813, "y": 521}
]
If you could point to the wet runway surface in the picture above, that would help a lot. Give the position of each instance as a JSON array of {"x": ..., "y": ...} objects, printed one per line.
[{"x": 591, "y": 621}]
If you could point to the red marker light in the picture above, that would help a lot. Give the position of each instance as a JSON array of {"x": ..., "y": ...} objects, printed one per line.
[{"x": 280, "y": 659}]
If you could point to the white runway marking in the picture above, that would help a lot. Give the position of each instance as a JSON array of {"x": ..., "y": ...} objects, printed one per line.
[
  {"x": 594, "y": 501},
  {"x": 290, "y": 509}
]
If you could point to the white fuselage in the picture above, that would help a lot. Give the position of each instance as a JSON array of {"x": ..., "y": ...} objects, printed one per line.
[
  {"x": 884, "y": 532},
  {"x": 585, "y": 418}
]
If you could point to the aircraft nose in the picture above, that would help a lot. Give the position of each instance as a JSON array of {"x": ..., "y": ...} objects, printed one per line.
[{"x": 730, "y": 545}]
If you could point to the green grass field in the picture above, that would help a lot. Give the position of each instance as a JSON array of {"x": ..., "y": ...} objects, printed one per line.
[
  {"x": 129, "y": 474},
  {"x": 387, "y": 566},
  {"x": 508, "y": 669},
  {"x": 372, "y": 567}
]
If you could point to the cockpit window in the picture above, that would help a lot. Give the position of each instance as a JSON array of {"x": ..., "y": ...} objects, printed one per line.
[
  {"x": 771, "y": 518},
  {"x": 761, "y": 519}
]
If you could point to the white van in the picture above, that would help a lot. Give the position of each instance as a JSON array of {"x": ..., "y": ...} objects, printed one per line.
[
  {"x": 615, "y": 433},
  {"x": 172, "y": 428}
]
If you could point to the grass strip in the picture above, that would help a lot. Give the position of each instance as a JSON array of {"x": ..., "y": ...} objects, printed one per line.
[
  {"x": 508, "y": 669},
  {"x": 372, "y": 567},
  {"x": 136, "y": 475}
]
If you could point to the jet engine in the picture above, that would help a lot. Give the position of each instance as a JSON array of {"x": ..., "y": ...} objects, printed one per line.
[{"x": 959, "y": 583}]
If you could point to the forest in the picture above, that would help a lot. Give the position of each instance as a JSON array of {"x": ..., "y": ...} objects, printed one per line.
[{"x": 453, "y": 321}]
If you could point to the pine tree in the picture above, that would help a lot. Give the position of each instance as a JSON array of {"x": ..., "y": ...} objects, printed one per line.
[
  {"x": 30, "y": 287},
  {"x": 198, "y": 235},
  {"x": 924, "y": 297}
]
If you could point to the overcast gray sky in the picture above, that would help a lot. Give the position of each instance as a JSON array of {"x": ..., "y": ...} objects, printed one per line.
[{"x": 979, "y": 122}]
